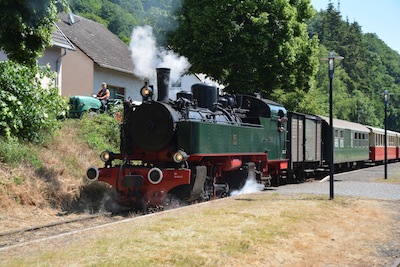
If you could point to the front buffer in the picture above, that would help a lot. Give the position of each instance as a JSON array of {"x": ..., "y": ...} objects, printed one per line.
[{"x": 141, "y": 186}]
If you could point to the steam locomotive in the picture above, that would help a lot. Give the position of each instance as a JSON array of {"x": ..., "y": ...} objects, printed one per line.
[
  {"x": 195, "y": 148},
  {"x": 202, "y": 145}
]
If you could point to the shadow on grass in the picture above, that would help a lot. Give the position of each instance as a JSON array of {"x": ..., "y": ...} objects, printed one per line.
[{"x": 74, "y": 197}]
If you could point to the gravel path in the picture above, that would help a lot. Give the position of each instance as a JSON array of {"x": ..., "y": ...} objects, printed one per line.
[{"x": 362, "y": 183}]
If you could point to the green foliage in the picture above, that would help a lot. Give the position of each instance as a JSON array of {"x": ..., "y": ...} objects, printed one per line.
[
  {"x": 119, "y": 16},
  {"x": 27, "y": 27},
  {"x": 29, "y": 110},
  {"x": 249, "y": 45},
  {"x": 14, "y": 152},
  {"x": 101, "y": 131},
  {"x": 369, "y": 67},
  {"x": 160, "y": 16}
]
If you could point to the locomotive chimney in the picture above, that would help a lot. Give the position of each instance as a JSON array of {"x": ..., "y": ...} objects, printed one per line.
[{"x": 163, "y": 84}]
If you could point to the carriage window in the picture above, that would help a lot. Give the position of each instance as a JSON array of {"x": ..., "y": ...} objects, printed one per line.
[
  {"x": 352, "y": 140},
  {"x": 391, "y": 140},
  {"x": 365, "y": 138}
]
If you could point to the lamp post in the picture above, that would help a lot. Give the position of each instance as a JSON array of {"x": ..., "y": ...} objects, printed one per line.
[
  {"x": 386, "y": 98},
  {"x": 331, "y": 69}
]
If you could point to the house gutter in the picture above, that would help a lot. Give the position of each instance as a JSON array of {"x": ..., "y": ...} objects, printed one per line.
[{"x": 58, "y": 67}]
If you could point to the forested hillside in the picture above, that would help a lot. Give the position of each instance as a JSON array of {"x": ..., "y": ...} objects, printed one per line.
[
  {"x": 120, "y": 16},
  {"x": 369, "y": 67}
]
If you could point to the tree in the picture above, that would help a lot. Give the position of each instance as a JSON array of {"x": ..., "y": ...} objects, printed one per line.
[
  {"x": 119, "y": 16},
  {"x": 160, "y": 16},
  {"x": 27, "y": 27},
  {"x": 119, "y": 21},
  {"x": 249, "y": 45},
  {"x": 368, "y": 68},
  {"x": 28, "y": 109}
]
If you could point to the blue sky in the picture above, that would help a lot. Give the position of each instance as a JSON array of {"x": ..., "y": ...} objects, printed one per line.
[{"x": 374, "y": 16}]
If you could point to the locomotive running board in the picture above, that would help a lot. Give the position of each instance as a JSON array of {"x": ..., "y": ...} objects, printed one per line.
[{"x": 201, "y": 173}]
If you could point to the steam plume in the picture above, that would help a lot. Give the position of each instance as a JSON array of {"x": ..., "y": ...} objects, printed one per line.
[
  {"x": 251, "y": 186},
  {"x": 147, "y": 56}
]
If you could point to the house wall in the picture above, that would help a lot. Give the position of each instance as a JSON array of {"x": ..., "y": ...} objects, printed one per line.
[
  {"x": 185, "y": 85},
  {"x": 78, "y": 73},
  {"x": 188, "y": 80},
  {"x": 3, "y": 56},
  {"x": 51, "y": 54},
  {"x": 114, "y": 78},
  {"x": 50, "y": 57}
]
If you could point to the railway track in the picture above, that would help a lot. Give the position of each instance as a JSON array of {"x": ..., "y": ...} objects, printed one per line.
[
  {"x": 30, "y": 234},
  {"x": 22, "y": 236}
]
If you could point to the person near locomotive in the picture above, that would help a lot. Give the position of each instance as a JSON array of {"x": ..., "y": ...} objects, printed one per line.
[{"x": 103, "y": 95}]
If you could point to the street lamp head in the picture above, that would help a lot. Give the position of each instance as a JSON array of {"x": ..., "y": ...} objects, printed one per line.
[
  {"x": 331, "y": 59},
  {"x": 386, "y": 95},
  {"x": 330, "y": 63}
]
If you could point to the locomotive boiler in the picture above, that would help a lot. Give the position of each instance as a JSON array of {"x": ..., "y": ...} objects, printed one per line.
[{"x": 194, "y": 148}]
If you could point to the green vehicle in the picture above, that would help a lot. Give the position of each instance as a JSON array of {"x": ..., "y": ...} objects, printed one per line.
[{"x": 78, "y": 105}]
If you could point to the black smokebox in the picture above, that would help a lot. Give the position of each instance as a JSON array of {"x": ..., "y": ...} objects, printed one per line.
[{"x": 163, "y": 75}]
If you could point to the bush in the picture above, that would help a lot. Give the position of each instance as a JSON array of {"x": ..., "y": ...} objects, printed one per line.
[
  {"x": 101, "y": 131},
  {"x": 28, "y": 110}
]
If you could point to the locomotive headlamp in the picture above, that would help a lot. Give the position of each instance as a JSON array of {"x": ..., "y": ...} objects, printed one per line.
[
  {"x": 180, "y": 156},
  {"x": 146, "y": 92},
  {"x": 105, "y": 156}
]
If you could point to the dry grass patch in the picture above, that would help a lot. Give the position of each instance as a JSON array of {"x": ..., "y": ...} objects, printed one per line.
[
  {"x": 393, "y": 178},
  {"x": 253, "y": 230},
  {"x": 389, "y": 180},
  {"x": 36, "y": 194}
]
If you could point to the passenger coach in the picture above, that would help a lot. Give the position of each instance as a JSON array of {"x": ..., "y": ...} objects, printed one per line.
[
  {"x": 351, "y": 143},
  {"x": 377, "y": 144}
]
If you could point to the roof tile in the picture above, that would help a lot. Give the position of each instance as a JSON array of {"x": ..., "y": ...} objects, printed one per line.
[{"x": 97, "y": 42}]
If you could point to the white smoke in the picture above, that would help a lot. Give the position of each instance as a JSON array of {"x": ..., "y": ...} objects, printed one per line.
[
  {"x": 147, "y": 56},
  {"x": 251, "y": 186},
  {"x": 144, "y": 51}
]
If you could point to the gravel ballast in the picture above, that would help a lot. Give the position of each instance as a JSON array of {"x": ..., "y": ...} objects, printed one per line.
[{"x": 358, "y": 183}]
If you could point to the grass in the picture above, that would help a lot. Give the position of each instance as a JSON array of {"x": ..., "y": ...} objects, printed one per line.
[
  {"x": 52, "y": 174},
  {"x": 14, "y": 152},
  {"x": 101, "y": 132},
  {"x": 394, "y": 179},
  {"x": 258, "y": 230}
]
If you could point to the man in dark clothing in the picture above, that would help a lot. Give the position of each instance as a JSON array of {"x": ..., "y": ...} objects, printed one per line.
[{"x": 103, "y": 95}]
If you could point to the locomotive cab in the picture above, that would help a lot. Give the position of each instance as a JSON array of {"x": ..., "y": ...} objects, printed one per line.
[{"x": 272, "y": 116}]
